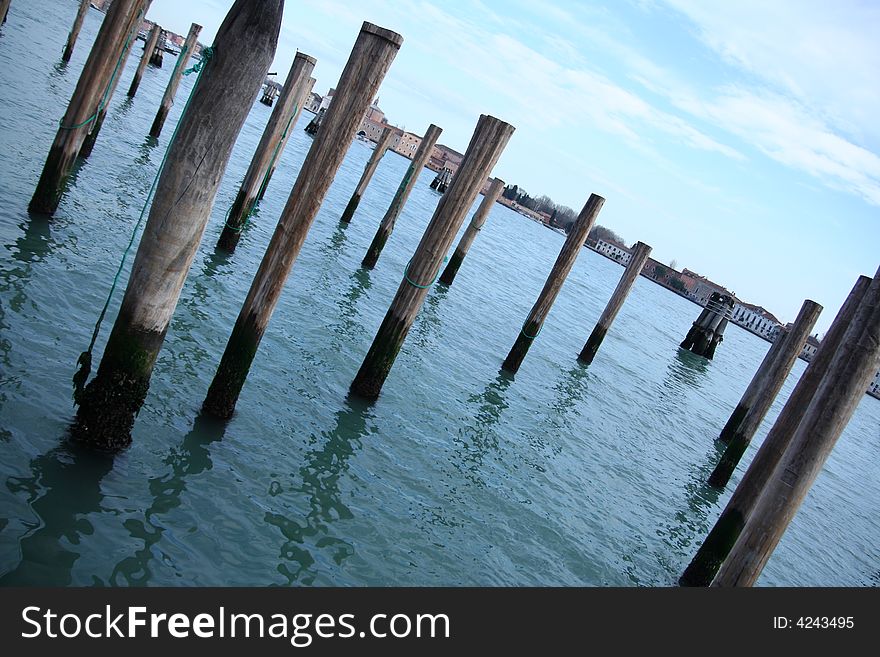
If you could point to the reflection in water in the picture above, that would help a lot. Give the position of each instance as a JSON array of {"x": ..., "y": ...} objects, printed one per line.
[
  {"x": 427, "y": 325},
  {"x": 347, "y": 327},
  {"x": 476, "y": 439},
  {"x": 571, "y": 388},
  {"x": 63, "y": 489},
  {"x": 333, "y": 247},
  {"x": 320, "y": 475},
  {"x": 191, "y": 458}
]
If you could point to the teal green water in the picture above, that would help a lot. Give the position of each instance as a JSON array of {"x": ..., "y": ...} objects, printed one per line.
[{"x": 457, "y": 476}]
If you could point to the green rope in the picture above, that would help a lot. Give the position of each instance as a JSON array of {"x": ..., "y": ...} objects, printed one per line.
[
  {"x": 413, "y": 283},
  {"x": 105, "y": 97},
  {"x": 530, "y": 337},
  {"x": 207, "y": 52},
  {"x": 85, "y": 358}
]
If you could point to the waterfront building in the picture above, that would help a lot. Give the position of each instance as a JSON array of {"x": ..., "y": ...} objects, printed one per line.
[{"x": 617, "y": 252}]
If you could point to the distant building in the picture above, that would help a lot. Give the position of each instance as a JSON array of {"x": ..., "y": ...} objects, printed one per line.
[
  {"x": 406, "y": 143},
  {"x": 756, "y": 319},
  {"x": 874, "y": 388},
  {"x": 614, "y": 251},
  {"x": 313, "y": 103},
  {"x": 810, "y": 347},
  {"x": 702, "y": 287},
  {"x": 443, "y": 156}
]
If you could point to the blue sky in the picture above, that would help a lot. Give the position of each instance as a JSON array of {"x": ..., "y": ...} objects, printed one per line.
[{"x": 740, "y": 139}]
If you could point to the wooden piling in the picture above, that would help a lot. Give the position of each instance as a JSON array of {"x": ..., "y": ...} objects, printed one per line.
[
  {"x": 176, "y": 75},
  {"x": 74, "y": 31},
  {"x": 768, "y": 387},
  {"x": 86, "y": 102},
  {"x": 268, "y": 151},
  {"x": 639, "y": 256},
  {"x": 195, "y": 163},
  {"x": 89, "y": 142},
  {"x": 487, "y": 143},
  {"x": 159, "y": 51},
  {"x": 149, "y": 47},
  {"x": 371, "y": 56},
  {"x": 4, "y": 10},
  {"x": 300, "y": 103},
  {"x": 574, "y": 243},
  {"x": 470, "y": 233},
  {"x": 367, "y": 175},
  {"x": 727, "y": 528},
  {"x": 423, "y": 152},
  {"x": 854, "y": 364}
]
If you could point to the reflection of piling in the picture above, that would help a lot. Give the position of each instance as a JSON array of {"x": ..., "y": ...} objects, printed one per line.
[
  {"x": 149, "y": 47},
  {"x": 74, "y": 31},
  {"x": 87, "y": 100},
  {"x": 300, "y": 101},
  {"x": 768, "y": 386},
  {"x": 639, "y": 256},
  {"x": 89, "y": 142},
  {"x": 843, "y": 386},
  {"x": 470, "y": 234},
  {"x": 488, "y": 141},
  {"x": 727, "y": 528},
  {"x": 206, "y": 133},
  {"x": 370, "y": 59},
  {"x": 159, "y": 50},
  {"x": 176, "y": 75},
  {"x": 574, "y": 243},
  {"x": 708, "y": 330},
  {"x": 406, "y": 186},
  {"x": 268, "y": 151},
  {"x": 367, "y": 175}
]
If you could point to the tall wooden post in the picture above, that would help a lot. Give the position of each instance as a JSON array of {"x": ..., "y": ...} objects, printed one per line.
[
  {"x": 4, "y": 10},
  {"x": 74, "y": 31},
  {"x": 770, "y": 386},
  {"x": 727, "y": 528},
  {"x": 574, "y": 243},
  {"x": 89, "y": 142},
  {"x": 149, "y": 47},
  {"x": 637, "y": 261},
  {"x": 300, "y": 103},
  {"x": 487, "y": 143},
  {"x": 842, "y": 388},
  {"x": 159, "y": 51},
  {"x": 423, "y": 152},
  {"x": 196, "y": 161},
  {"x": 367, "y": 175},
  {"x": 470, "y": 233},
  {"x": 371, "y": 56},
  {"x": 176, "y": 75},
  {"x": 87, "y": 100},
  {"x": 268, "y": 151}
]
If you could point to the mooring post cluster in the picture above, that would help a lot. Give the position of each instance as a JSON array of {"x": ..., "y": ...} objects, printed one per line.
[
  {"x": 268, "y": 150},
  {"x": 195, "y": 163},
  {"x": 188, "y": 49},
  {"x": 149, "y": 48},
  {"x": 708, "y": 330},
  {"x": 72, "y": 36},
  {"x": 370, "y": 168}
]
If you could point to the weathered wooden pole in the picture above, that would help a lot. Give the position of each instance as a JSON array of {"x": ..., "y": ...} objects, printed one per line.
[
  {"x": 371, "y": 56},
  {"x": 854, "y": 364},
  {"x": 89, "y": 142},
  {"x": 574, "y": 243},
  {"x": 423, "y": 152},
  {"x": 149, "y": 47},
  {"x": 85, "y": 104},
  {"x": 159, "y": 51},
  {"x": 470, "y": 233},
  {"x": 367, "y": 175},
  {"x": 4, "y": 10},
  {"x": 727, "y": 528},
  {"x": 637, "y": 261},
  {"x": 196, "y": 160},
  {"x": 487, "y": 143},
  {"x": 268, "y": 151},
  {"x": 176, "y": 75},
  {"x": 74, "y": 31},
  {"x": 300, "y": 103},
  {"x": 769, "y": 387}
]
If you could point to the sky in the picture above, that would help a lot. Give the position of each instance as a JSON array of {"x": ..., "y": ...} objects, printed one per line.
[{"x": 739, "y": 139}]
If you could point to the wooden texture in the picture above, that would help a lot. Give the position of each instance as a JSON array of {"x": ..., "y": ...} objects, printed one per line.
[
  {"x": 149, "y": 47},
  {"x": 487, "y": 143},
  {"x": 470, "y": 233},
  {"x": 370, "y": 168},
  {"x": 371, "y": 56},
  {"x": 769, "y": 387},
  {"x": 84, "y": 104},
  {"x": 196, "y": 161},
  {"x": 4, "y": 10},
  {"x": 423, "y": 152},
  {"x": 72, "y": 36},
  {"x": 637, "y": 261},
  {"x": 843, "y": 386},
  {"x": 573, "y": 245},
  {"x": 174, "y": 82},
  {"x": 300, "y": 103},
  {"x": 727, "y": 528},
  {"x": 268, "y": 150}
]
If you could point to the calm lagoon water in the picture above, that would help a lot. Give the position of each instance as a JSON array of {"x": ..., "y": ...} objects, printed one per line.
[{"x": 457, "y": 476}]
